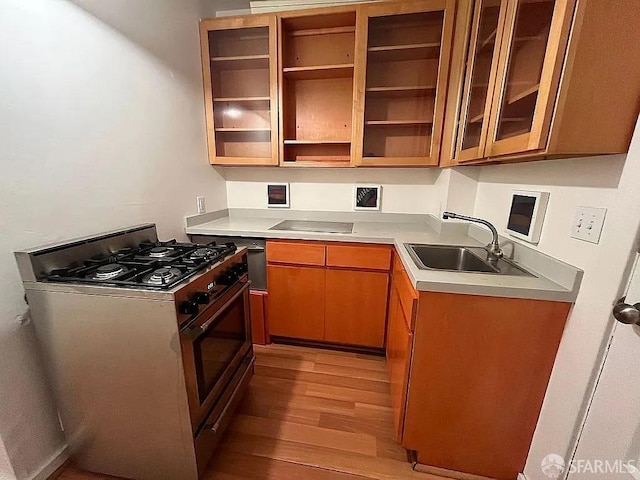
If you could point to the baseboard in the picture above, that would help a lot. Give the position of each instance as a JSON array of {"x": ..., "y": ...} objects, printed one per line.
[
  {"x": 55, "y": 462},
  {"x": 521, "y": 476}
]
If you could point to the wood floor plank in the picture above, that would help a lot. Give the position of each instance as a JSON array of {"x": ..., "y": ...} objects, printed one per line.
[
  {"x": 344, "y": 393},
  {"x": 306, "y": 434},
  {"x": 352, "y": 372},
  {"x": 238, "y": 465},
  {"x": 325, "y": 379},
  {"x": 309, "y": 414},
  {"x": 322, "y": 457},
  {"x": 370, "y": 363}
]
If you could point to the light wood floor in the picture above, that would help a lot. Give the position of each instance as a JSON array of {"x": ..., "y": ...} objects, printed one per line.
[{"x": 309, "y": 414}]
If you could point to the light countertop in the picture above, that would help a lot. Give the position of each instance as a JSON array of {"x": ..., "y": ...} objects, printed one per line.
[{"x": 554, "y": 280}]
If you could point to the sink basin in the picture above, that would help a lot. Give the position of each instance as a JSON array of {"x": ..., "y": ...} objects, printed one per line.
[
  {"x": 460, "y": 259},
  {"x": 313, "y": 226}
]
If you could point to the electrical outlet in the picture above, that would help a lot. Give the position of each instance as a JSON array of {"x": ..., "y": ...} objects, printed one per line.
[
  {"x": 201, "y": 206},
  {"x": 587, "y": 225}
]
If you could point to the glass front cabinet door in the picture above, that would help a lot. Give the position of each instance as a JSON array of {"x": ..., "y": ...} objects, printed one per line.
[
  {"x": 527, "y": 75},
  {"x": 402, "y": 66},
  {"x": 516, "y": 49},
  {"x": 240, "y": 71}
]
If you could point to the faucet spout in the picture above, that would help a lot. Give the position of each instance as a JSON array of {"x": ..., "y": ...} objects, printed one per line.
[{"x": 494, "y": 250}]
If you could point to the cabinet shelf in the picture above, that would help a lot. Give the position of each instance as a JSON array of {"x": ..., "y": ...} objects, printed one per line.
[
  {"x": 242, "y": 99},
  {"x": 317, "y": 72},
  {"x": 412, "y": 51},
  {"x": 491, "y": 39},
  {"x": 322, "y": 31},
  {"x": 317, "y": 142},
  {"x": 408, "y": 91},
  {"x": 242, "y": 130},
  {"x": 523, "y": 94},
  {"x": 242, "y": 62},
  {"x": 397, "y": 123}
]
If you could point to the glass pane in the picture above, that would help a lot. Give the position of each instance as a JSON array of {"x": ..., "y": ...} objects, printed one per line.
[
  {"x": 215, "y": 350},
  {"x": 524, "y": 69},
  {"x": 481, "y": 70},
  {"x": 402, "y": 73},
  {"x": 240, "y": 86}
]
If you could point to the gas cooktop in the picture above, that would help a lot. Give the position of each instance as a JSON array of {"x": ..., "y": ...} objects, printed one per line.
[{"x": 157, "y": 265}]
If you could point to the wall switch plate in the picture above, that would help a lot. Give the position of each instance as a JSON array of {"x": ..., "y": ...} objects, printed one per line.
[
  {"x": 201, "y": 206},
  {"x": 587, "y": 225}
]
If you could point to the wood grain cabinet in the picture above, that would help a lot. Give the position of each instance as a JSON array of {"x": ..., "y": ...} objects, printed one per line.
[
  {"x": 316, "y": 87},
  {"x": 240, "y": 71},
  {"x": 399, "y": 347},
  {"x": 543, "y": 79},
  {"x": 328, "y": 292},
  {"x": 402, "y": 67},
  {"x": 479, "y": 371},
  {"x": 296, "y": 301}
]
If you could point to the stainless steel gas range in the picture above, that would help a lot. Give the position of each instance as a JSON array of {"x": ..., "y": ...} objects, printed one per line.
[{"x": 147, "y": 345}]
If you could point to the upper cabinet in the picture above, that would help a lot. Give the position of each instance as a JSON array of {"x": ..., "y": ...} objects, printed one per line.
[
  {"x": 402, "y": 66},
  {"x": 422, "y": 83},
  {"x": 240, "y": 72},
  {"x": 544, "y": 79},
  {"x": 316, "y": 87}
]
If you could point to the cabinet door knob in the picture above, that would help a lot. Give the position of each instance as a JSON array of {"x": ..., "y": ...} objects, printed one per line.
[{"x": 627, "y": 314}]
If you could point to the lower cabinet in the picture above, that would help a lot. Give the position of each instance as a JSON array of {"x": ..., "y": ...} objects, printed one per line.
[
  {"x": 479, "y": 372},
  {"x": 356, "y": 307},
  {"x": 296, "y": 301},
  {"x": 328, "y": 292},
  {"x": 399, "y": 343}
]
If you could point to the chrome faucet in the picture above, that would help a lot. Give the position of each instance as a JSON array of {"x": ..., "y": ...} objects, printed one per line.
[{"x": 493, "y": 249}]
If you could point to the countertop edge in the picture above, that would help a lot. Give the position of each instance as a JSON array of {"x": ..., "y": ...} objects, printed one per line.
[{"x": 552, "y": 291}]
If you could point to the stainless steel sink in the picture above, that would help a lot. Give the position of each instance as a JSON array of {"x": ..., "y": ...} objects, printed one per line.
[
  {"x": 461, "y": 259},
  {"x": 313, "y": 226}
]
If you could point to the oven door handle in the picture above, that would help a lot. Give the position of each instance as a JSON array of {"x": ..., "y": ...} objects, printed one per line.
[{"x": 195, "y": 331}]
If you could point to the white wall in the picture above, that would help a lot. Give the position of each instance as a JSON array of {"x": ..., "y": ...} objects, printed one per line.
[
  {"x": 609, "y": 182},
  {"x": 101, "y": 126},
  {"x": 403, "y": 190}
]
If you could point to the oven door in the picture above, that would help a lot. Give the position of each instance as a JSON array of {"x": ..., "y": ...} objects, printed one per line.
[{"x": 214, "y": 346}]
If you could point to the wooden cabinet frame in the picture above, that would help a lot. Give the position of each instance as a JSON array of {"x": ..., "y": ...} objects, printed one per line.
[
  {"x": 587, "y": 97},
  {"x": 477, "y": 152},
  {"x": 368, "y": 11},
  {"x": 252, "y": 21},
  {"x": 536, "y": 139}
]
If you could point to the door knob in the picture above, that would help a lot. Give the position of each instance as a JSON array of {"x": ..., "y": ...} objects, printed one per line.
[{"x": 627, "y": 314}]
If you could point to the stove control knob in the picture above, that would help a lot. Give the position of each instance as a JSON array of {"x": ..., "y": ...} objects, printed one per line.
[
  {"x": 227, "y": 277},
  {"x": 238, "y": 269},
  {"x": 188, "y": 307},
  {"x": 201, "y": 298}
]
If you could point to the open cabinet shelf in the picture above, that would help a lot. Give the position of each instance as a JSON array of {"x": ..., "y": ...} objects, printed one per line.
[
  {"x": 318, "y": 72},
  {"x": 241, "y": 99},
  {"x": 317, "y": 142},
  {"x": 317, "y": 89},
  {"x": 391, "y": 123}
]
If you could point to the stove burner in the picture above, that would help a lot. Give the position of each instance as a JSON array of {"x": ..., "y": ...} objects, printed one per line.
[
  {"x": 203, "y": 253},
  {"x": 159, "y": 252},
  {"x": 161, "y": 276},
  {"x": 109, "y": 271}
]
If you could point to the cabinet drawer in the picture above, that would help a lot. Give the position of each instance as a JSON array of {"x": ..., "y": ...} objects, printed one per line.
[
  {"x": 371, "y": 257},
  {"x": 296, "y": 253}
]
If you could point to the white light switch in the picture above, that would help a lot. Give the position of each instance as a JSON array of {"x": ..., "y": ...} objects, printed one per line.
[{"x": 587, "y": 225}]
